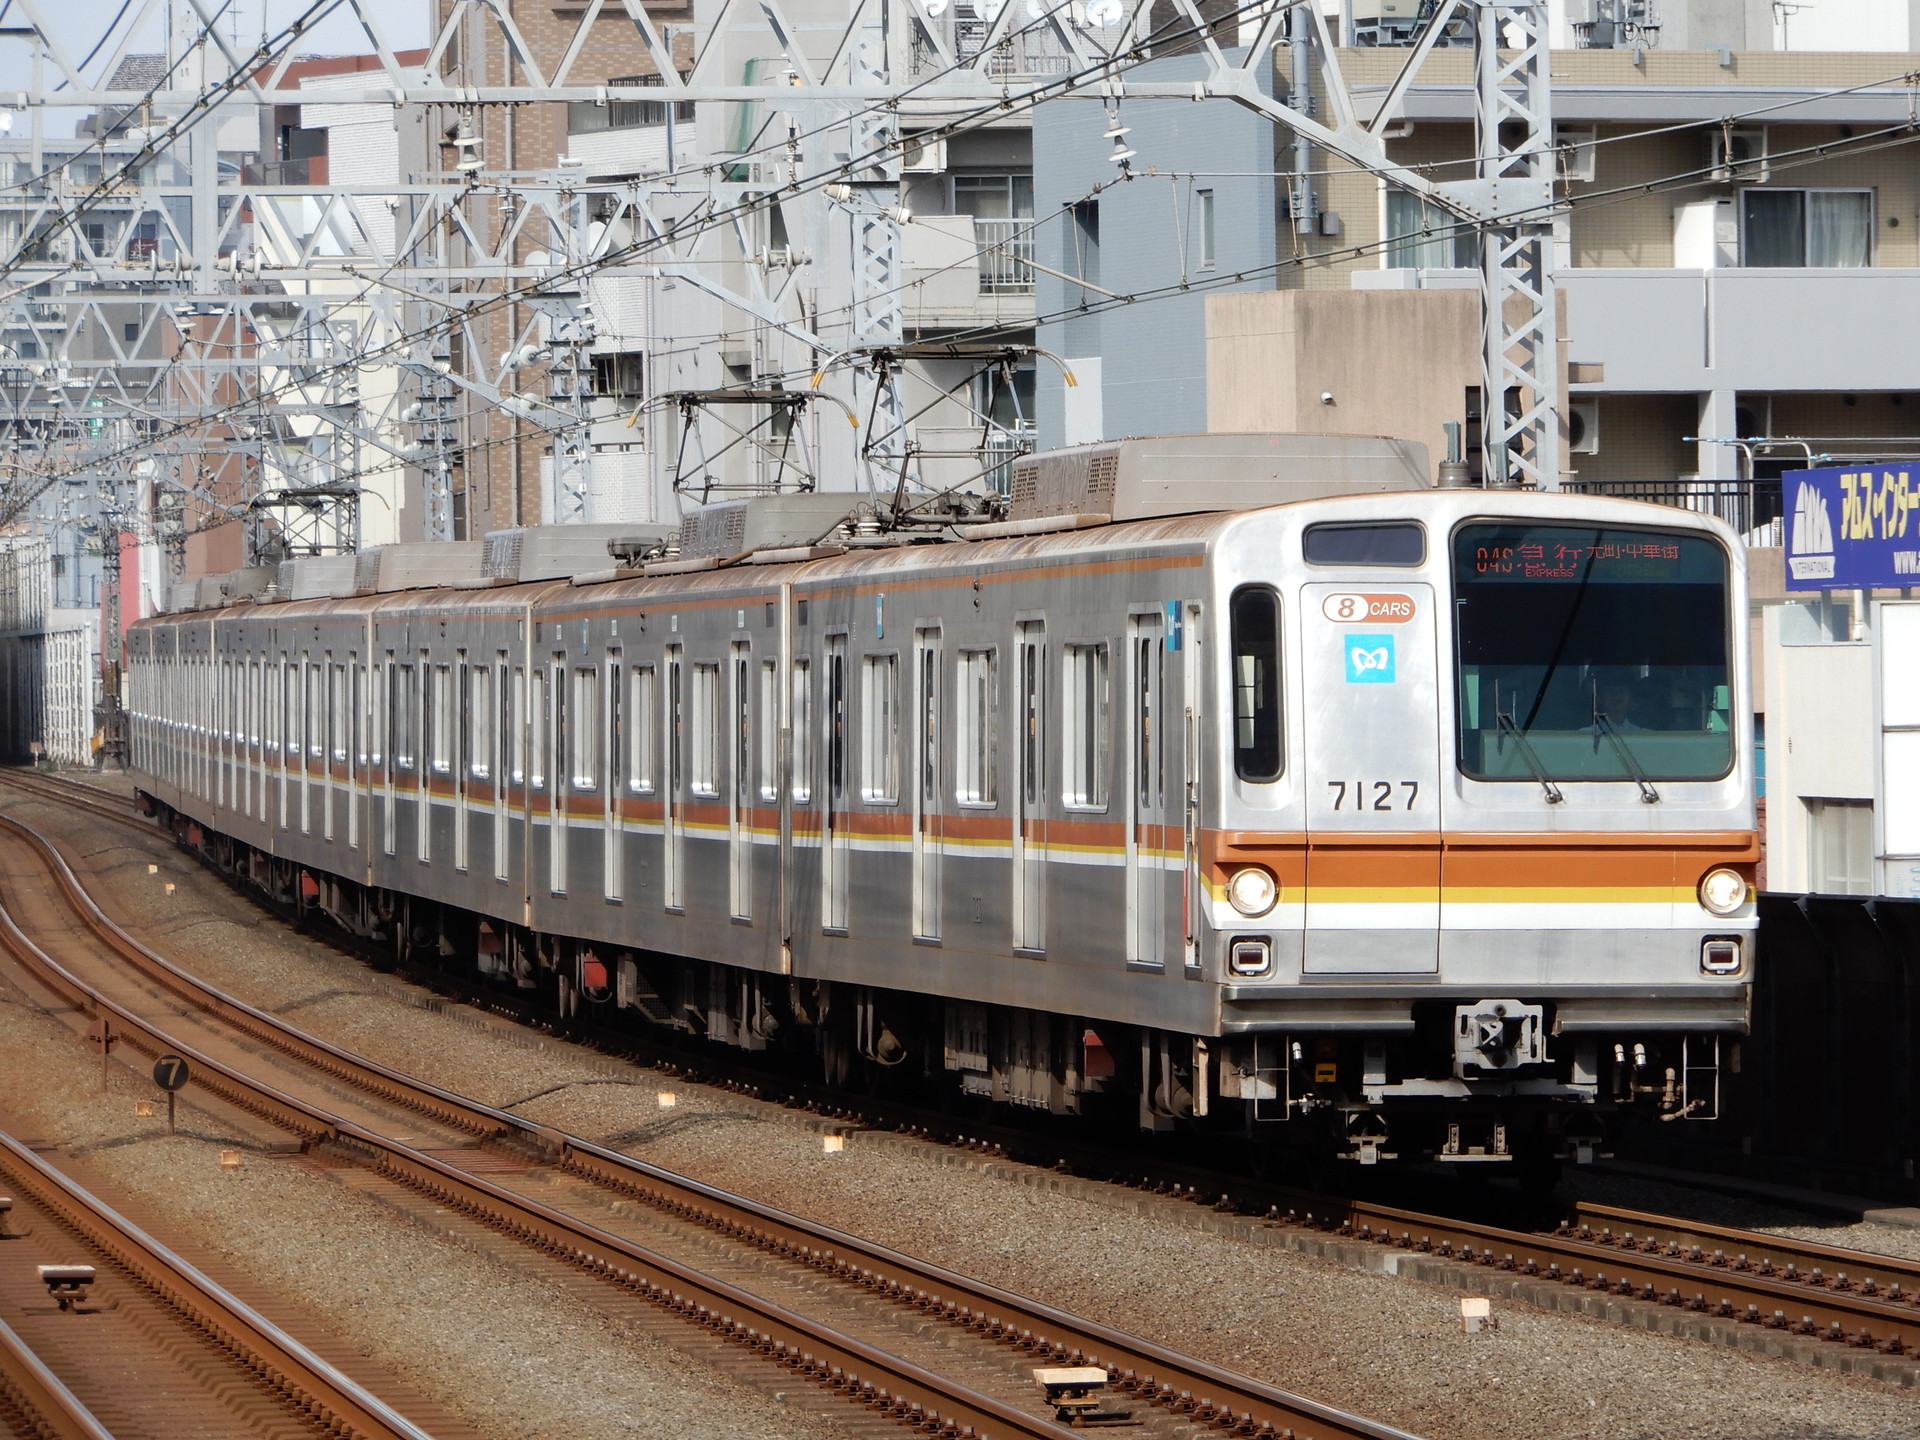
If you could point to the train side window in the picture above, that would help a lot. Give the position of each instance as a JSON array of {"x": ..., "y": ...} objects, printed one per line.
[
  {"x": 441, "y": 713},
  {"x": 802, "y": 749},
  {"x": 1396, "y": 543},
  {"x": 583, "y": 740},
  {"x": 769, "y": 731},
  {"x": 615, "y": 752},
  {"x": 513, "y": 710},
  {"x": 879, "y": 729},
  {"x": 1255, "y": 623},
  {"x": 536, "y": 729},
  {"x": 976, "y": 729},
  {"x": 741, "y": 759},
  {"x": 640, "y": 730},
  {"x": 480, "y": 714},
  {"x": 316, "y": 711},
  {"x": 405, "y": 703},
  {"x": 703, "y": 759},
  {"x": 1083, "y": 782}
]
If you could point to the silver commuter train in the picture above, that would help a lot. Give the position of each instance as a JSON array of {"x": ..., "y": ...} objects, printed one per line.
[{"x": 1418, "y": 822}]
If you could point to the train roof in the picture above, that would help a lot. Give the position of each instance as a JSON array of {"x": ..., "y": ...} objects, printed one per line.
[{"x": 892, "y": 563}]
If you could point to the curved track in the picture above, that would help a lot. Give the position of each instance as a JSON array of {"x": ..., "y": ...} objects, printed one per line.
[
  {"x": 155, "y": 1348},
  {"x": 1846, "y": 1296},
  {"x": 1176, "y": 1389}
]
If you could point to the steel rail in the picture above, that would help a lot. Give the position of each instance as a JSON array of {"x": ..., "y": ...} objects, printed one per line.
[
  {"x": 330, "y": 1398},
  {"x": 51, "y": 1411},
  {"x": 1839, "y": 1294},
  {"x": 1191, "y": 1387},
  {"x": 83, "y": 797},
  {"x": 1725, "y": 1246},
  {"x": 1863, "y": 1314}
]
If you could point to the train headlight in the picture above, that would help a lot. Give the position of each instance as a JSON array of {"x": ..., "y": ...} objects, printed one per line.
[
  {"x": 1252, "y": 891},
  {"x": 1723, "y": 891}
]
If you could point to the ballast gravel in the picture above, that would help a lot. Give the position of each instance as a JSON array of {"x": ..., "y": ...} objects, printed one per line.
[{"x": 1391, "y": 1349}]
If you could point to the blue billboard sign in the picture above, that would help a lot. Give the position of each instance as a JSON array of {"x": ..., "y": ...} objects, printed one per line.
[{"x": 1852, "y": 527}]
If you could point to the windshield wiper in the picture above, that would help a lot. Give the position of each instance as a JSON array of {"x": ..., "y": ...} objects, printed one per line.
[
  {"x": 1525, "y": 747},
  {"x": 1603, "y": 726}
]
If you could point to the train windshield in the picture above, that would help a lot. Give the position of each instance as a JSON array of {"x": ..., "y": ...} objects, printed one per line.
[{"x": 1590, "y": 653}]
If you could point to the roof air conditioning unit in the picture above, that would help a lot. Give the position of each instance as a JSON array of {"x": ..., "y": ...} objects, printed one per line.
[
  {"x": 1739, "y": 155},
  {"x": 1583, "y": 427},
  {"x": 920, "y": 156}
]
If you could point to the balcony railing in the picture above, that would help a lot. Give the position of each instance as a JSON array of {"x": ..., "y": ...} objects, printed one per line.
[
  {"x": 1006, "y": 250},
  {"x": 1751, "y": 507},
  {"x": 1037, "y": 52}
]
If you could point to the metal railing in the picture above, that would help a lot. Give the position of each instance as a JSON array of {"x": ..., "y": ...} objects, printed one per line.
[
  {"x": 1751, "y": 507},
  {"x": 1034, "y": 53},
  {"x": 1006, "y": 248},
  {"x": 1003, "y": 447}
]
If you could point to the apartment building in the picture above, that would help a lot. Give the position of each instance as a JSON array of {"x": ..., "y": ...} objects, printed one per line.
[
  {"x": 1740, "y": 245},
  {"x": 701, "y": 390}
]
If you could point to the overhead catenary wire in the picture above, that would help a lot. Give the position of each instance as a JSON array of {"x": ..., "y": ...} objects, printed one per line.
[{"x": 728, "y": 215}]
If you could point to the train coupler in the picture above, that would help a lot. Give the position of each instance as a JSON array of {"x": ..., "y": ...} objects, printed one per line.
[{"x": 1461, "y": 1146}]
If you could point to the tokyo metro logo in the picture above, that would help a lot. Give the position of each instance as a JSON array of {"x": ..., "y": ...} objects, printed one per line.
[{"x": 1369, "y": 659}]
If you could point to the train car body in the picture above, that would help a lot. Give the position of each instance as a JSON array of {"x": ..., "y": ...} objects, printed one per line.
[{"x": 1419, "y": 822}]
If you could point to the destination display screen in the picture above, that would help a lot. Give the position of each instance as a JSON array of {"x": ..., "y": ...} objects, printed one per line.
[{"x": 1590, "y": 654}]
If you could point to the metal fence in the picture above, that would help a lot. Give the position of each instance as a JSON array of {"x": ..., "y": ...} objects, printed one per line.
[
  {"x": 1751, "y": 507},
  {"x": 1006, "y": 248}
]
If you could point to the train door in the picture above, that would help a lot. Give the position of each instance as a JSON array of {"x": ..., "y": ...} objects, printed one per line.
[
  {"x": 740, "y": 790},
  {"x": 926, "y": 788},
  {"x": 356, "y": 738},
  {"x": 1370, "y": 666},
  {"x": 613, "y": 781},
  {"x": 460, "y": 732},
  {"x": 1030, "y": 788},
  {"x": 834, "y": 841},
  {"x": 1148, "y": 835},
  {"x": 390, "y": 704},
  {"x": 558, "y": 776},
  {"x": 673, "y": 854},
  {"x": 507, "y": 686}
]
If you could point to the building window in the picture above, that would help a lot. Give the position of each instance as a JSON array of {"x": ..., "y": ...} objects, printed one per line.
[
  {"x": 1817, "y": 229},
  {"x": 1422, "y": 236},
  {"x": 1203, "y": 226},
  {"x": 1083, "y": 240},
  {"x": 1083, "y": 783},
  {"x": 1840, "y": 836},
  {"x": 880, "y": 724},
  {"x": 620, "y": 374},
  {"x": 1002, "y": 211}
]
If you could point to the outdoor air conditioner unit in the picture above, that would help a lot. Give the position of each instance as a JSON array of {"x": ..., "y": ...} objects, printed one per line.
[
  {"x": 1576, "y": 146},
  {"x": 1739, "y": 155},
  {"x": 1583, "y": 427},
  {"x": 921, "y": 156}
]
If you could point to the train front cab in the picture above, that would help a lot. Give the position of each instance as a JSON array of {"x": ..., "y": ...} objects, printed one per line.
[{"x": 1482, "y": 877}]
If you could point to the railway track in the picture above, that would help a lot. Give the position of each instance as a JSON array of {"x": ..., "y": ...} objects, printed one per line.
[
  {"x": 1164, "y": 1389},
  {"x": 148, "y": 1343},
  {"x": 73, "y": 795},
  {"x": 35, "y": 1404},
  {"x": 1847, "y": 1297}
]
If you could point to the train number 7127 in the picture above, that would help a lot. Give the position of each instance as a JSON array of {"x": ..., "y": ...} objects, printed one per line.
[{"x": 1373, "y": 794}]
